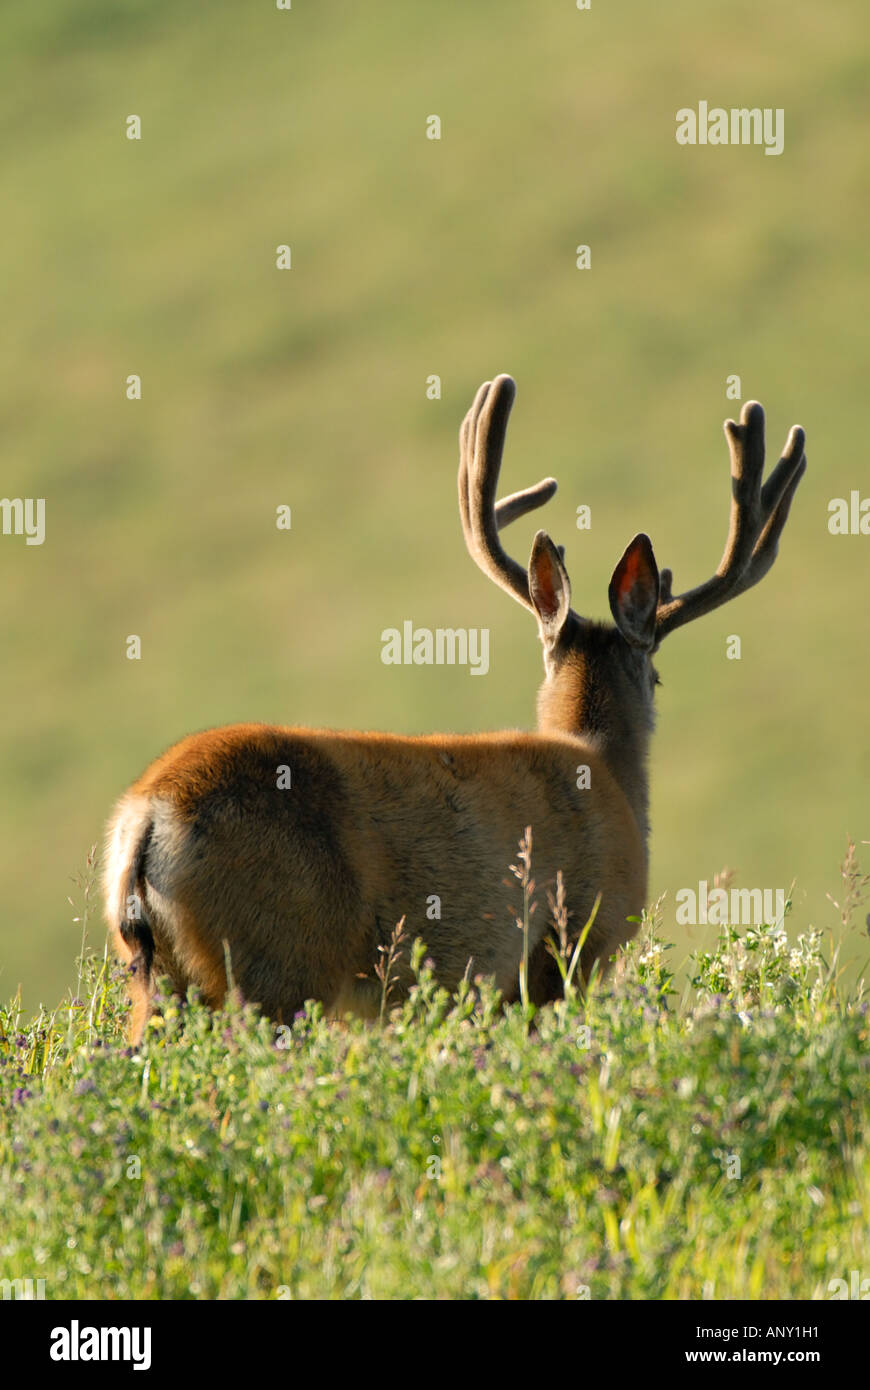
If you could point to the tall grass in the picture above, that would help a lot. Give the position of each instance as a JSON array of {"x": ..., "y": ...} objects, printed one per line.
[{"x": 637, "y": 1142}]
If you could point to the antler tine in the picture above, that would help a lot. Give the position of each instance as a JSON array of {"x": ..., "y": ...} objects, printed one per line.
[
  {"x": 758, "y": 514},
  {"x": 518, "y": 503},
  {"x": 481, "y": 444}
]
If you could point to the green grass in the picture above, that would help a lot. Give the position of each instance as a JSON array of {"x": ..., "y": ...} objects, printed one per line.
[
  {"x": 308, "y": 388},
  {"x": 638, "y": 1144}
]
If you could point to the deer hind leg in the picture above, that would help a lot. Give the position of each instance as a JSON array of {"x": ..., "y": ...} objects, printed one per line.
[{"x": 174, "y": 951}]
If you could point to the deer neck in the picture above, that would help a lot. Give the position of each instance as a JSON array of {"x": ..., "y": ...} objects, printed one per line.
[{"x": 615, "y": 723}]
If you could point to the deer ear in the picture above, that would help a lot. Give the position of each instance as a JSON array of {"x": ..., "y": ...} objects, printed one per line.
[
  {"x": 634, "y": 593},
  {"x": 549, "y": 588}
]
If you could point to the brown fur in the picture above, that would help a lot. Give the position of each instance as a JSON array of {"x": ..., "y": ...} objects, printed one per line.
[{"x": 306, "y": 883}]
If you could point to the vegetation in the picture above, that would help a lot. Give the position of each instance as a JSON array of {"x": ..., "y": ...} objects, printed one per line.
[{"x": 632, "y": 1144}]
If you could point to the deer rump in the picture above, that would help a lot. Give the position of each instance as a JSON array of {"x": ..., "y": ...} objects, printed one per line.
[{"x": 303, "y": 849}]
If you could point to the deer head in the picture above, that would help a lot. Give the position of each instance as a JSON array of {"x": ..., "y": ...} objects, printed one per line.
[{"x": 600, "y": 679}]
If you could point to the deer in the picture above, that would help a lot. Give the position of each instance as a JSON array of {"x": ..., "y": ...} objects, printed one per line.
[{"x": 220, "y": 870}]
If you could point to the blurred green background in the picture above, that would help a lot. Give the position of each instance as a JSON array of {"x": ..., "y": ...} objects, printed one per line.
[{"x": 308, "y": 387}]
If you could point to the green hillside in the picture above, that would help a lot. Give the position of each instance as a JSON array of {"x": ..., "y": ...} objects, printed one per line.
[{"x": 307, "y": 387}]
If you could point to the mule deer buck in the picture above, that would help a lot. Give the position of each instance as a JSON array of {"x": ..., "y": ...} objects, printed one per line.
[{"x": 305, "y": 883}]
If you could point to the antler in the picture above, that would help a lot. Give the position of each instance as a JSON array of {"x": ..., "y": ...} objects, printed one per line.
[
  {"x": 481, "y": 442},
  {"x": 758, "y": 514}
]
